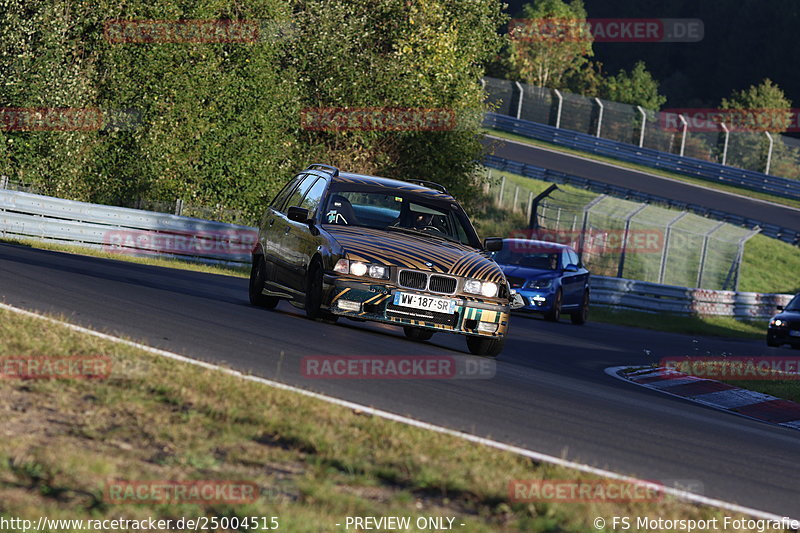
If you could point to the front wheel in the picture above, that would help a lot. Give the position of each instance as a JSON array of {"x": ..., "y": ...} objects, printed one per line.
[
  {"x": 581, "y": 315},
  {"x": 554, "y": 314},
  {"x": 313, "y": 303},
  {"x": 487, "y": 346},
  {"x": 417, "y": 334},
  {"x": 772, "y": 342},
  {"x": 258, "y": 276}
]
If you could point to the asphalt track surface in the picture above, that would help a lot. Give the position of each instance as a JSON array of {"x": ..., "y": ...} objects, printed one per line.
[
  {"x": 550, "y": 393},
  {"x": 770, "y": 213}
]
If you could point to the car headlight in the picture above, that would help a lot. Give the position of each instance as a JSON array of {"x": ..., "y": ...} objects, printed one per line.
[
  {"x": 540, "y": 284},
  {"x": 357, "y": 268},
  {"x": 486, "y": 288},
  {"x": 776, "y": 323}
]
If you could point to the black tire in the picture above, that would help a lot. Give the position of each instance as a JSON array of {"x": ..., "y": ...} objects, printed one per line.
[
  {"x": 258, "y": 276},
  {"x": 771, "y": 342},
  {"x": 581, "y": 315},
  {"x": 313, "y": 303},
  {"x": 486, "y": 346},
  {"x": 554, "y": 314},
  {"x": 418, "y": 334}
]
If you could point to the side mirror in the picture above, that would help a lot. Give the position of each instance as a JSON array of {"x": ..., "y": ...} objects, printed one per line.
[
  {"x": 571, "y": 268},
  {"x": 780, "y": 308},
  {"x": 493, "y": 244},
  {"x": 298, "y": 214}
]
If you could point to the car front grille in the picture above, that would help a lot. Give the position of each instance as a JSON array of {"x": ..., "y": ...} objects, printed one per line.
[
  {"x": 413, "y": 279},
  {"x": 441, "y": 319},
  {"x": 515, "y": 282},
  {"x": 442, "y": 284}
]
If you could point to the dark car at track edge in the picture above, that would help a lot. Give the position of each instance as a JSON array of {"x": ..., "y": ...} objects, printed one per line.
[
  {"x": 339, "y": 244},
  {"x": 784, "y": 328}
]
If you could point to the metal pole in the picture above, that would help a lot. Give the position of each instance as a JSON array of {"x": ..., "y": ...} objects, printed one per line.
[
  {"x": 586, "y": 210},
  {"x": 533, "y": 219},
  {"x": 3, "y": 182},
  {"x": 178, "y": 207},
  {"x": 703, "y": 254},
  {"x": 665, "y": 252},
  {"x": 725, "y": 147},
  {"x": 560, "y": 103},
  {"x": 483, "y": 84},
  {"x": 769, "y": 154},
  {"x": 502, "y": 190},
  {"x": 530, "y": 206},
  {"x": 599, "y": 117},
  {"x": 516, "y": 199},
  {"x": 621, "y": 265},
  {"x": 519, "y": 101},
  {"x": 683, "y": 135},
  {"x": 644, "y": 123}
]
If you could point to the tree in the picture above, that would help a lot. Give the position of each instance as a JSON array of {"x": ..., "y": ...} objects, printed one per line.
[
  {"x": 770, "y": 102},
  {"x": 636, "y": 87},
  {"x": 551, "y": 43}
]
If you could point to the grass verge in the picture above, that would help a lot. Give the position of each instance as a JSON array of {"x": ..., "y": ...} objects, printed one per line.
[
  {"x": 685, "y": 325},
  {"x": 241, "y": 272},
  {"x": 315, "y": 463},
  {"x": 642, "y": 168}
]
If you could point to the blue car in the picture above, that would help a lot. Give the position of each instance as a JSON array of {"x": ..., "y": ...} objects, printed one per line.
[{"x": 549, "y": 277}]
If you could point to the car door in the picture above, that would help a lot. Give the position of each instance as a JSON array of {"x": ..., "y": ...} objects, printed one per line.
[
  {"x": 580, "y": 278},
  {"x": 268, "y": 235},
  {"x": 570, "y": 283},
  {"x": 300, "y": 243}
]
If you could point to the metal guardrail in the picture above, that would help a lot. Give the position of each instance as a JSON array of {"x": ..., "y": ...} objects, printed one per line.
[
  {"x": 123, "y": 230},
  {"x": 144, "y": 233},
  {"x": 539, "y": 173},
  {"x": 654, "y": 298},
  {"x": 688, "y": 166}
]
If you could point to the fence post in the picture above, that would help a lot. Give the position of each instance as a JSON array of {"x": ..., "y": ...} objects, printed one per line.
[
  {"x": 703, "y": 254},
  {"x": 516, "y": 199},
  {"x": 644, "y": 123},
  {"x": 665, "y": 252},
  {"x": 530, "y": 206},
  {"x": 725, "y": 146},
  {"x": 519, "y": 101},
  {"x": 179, "y": 207},
  {"x": 621, "y": 265},
  {"x": 560, "y": 103},
  {"x": 599, "y": 117},
  {"x": 502, "y": 190},
  {"x": 3, "y": 182},
  {"x": 586, "y": 210},
  {"x": 483, "y": 84},
  {"x": 769, "y": 154},
  {"x": 683, "y": 134}
]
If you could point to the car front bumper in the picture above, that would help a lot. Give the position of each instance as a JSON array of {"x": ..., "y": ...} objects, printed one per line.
[
  {"x": 374, "y": 302},
  {"x": 538, "y": 301},
  {"x": 783, "y": 336}
]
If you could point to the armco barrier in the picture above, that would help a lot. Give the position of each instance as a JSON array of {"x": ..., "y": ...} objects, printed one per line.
[
  {"x": 123, "y": 230},
  {"x": 54, "y": 219},
  {"x": 654, "y": 298},
  {"x": 688, "y": 166},
  {"x": 539, "y": 173}
]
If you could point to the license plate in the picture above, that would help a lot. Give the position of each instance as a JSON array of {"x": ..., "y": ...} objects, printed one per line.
[
  {"x": 794, "y": 333},
  {"x": 428, "y": 303}
]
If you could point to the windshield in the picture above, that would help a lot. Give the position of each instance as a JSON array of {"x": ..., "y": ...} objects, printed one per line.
[
  {"x": 794, "y": 305},
  {"x": 402, "y": 212},
  {"x": 543, "y": 260}
]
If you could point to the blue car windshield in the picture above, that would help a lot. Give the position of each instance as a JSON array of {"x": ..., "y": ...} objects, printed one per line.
[
  {"x": 540, "y": 260},
  {"x": 794, "y": 305}
]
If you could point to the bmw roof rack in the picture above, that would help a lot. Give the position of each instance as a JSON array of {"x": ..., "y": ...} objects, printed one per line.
[
  {"x": 333, "y": 171},
  {"x": 429, "y": 184}
]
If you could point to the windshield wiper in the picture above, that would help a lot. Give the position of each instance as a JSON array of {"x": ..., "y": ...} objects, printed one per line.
[{"x": 425, "y": 233}]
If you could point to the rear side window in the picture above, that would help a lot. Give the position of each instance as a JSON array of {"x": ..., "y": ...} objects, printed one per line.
[
  {"x": 280, "y": 199},
  {"x": 573, "y": 258},
  {"x": 314, "y": 197}
]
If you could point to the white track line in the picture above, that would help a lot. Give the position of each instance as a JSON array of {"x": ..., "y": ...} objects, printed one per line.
[{"x": 689, "y": 496}]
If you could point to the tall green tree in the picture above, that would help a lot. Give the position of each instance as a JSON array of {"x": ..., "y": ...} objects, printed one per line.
[
  {"x": 550, "y": 44},
  {"x": 637, "y": 87},
  {"x": 774, "y": 108}
]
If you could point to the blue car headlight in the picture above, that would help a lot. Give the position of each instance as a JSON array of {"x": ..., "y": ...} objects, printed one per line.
[{"x": 540, "y": 284}]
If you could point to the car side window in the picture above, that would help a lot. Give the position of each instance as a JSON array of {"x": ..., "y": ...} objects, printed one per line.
[
  {"x": 300, "y": 192},
  {"x": 574, "y": 259},
  {"x": 564, "y": 259},
  {"x": 314, "y": 197},
  {"x": 280, "y": 199}
]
